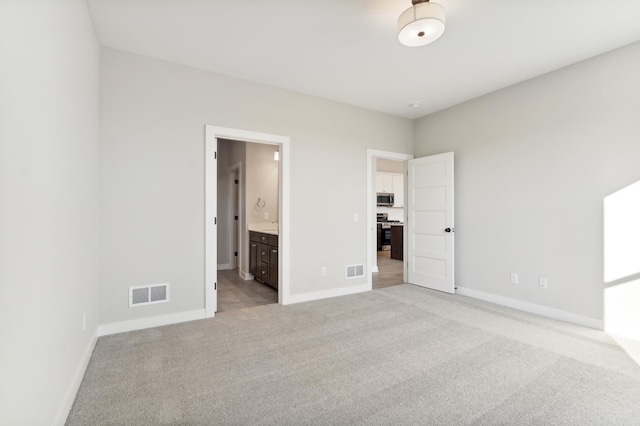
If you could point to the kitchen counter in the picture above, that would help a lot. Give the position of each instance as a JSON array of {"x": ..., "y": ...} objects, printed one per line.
[{"x": 270, "y": 231}]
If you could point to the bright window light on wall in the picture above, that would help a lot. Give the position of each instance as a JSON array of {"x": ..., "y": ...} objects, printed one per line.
[
  {"x": 622, "y": 233},
  {"x": 622, "y": 264}
]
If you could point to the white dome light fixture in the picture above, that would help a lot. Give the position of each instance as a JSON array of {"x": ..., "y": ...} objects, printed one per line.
[{"x": 421, "y": 24}]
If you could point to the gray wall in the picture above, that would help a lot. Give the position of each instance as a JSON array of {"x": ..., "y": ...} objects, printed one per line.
[
  {"x": 152, "y": 177},
  {"x": 48, "y": 205},
  {"x": 533, "y": 164}
]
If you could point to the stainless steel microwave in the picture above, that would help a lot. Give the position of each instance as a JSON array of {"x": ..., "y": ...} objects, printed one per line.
[{"x": 385, "y": 199}]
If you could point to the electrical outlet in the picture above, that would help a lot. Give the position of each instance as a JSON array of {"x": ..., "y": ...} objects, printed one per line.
[
  {"x": 355, "y": 217},
  {"x": 543, "y": 283},
  {"x": 323, "y": 271},
  {"x": 266, "y": 215},
  {"x": 514, "y": 278}
]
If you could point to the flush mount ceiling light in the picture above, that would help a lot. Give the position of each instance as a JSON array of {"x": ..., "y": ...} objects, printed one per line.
[{"x": 421, "y": 24}]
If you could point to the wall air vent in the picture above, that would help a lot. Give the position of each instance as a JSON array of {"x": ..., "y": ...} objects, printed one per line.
[
  {"x": 355, "y": 271},
  {"x": 148, "y": 294}
]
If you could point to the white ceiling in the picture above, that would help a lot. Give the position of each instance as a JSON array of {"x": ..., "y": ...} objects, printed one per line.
[{"x": 347, "y": 50}]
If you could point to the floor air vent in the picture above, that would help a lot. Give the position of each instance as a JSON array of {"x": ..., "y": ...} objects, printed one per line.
[
  {"x": 148, "y": 294},
  {"x": 355, "y": 271}
]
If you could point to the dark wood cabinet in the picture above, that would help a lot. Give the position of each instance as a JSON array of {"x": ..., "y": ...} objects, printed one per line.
[
  {"x": 397, "y": 239},
  {"x": 263, "y": 263},
  {"x": 253, "y": 257},
  {"x": 263, "y": 257},
  {"x": 273, "y": 267}
]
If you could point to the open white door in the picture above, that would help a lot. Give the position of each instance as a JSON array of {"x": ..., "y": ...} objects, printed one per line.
[
  {"x": 430, "y": 227},
  {"x": 211, "y": 222}
]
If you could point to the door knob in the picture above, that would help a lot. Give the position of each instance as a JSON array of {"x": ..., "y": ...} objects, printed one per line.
[{"x": 447, "y": 230}]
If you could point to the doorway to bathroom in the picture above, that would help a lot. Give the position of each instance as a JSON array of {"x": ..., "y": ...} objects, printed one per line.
[{"x": 215, "y": 233}]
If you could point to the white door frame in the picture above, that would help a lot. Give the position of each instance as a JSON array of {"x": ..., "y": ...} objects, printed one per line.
[
  {"x": 372, "y": 155},
  {"x": 212, "y": 134},
  {"x": 235, "y": 196}
]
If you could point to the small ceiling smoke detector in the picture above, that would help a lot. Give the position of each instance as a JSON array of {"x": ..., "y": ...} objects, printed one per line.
[
  {"x": 415, "y": 105},
  {"x": 421, "y": 24}
]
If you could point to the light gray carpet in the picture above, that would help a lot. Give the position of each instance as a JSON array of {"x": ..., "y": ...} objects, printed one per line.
[{"x": 395, "y": 356}]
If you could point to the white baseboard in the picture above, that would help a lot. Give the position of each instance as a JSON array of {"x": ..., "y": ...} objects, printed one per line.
[
  {"x": 544, "y": 311},
  {"x": 326, "y": 294},
  {"x": 223, "y": 266},
  {"x": 157, "y": 321},
  {"x": 70, "y": 394},
  {"x": 246, "y": 276}
]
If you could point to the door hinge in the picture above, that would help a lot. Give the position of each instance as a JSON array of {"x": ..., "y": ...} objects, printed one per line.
[
  {"x": 235, "y": 217},
  {"x": 215, "y": 220},
  {"x": 215, "y": 286},
  {"x": 215, "y": 155},
  {"x": 236, "y": 181},
  {"x": 235, "y": 253}
]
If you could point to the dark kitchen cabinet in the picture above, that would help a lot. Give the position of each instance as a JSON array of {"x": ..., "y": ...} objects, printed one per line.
[
  {"x": 397, "y": 240},
  {"x": 263, "y": 257}
]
